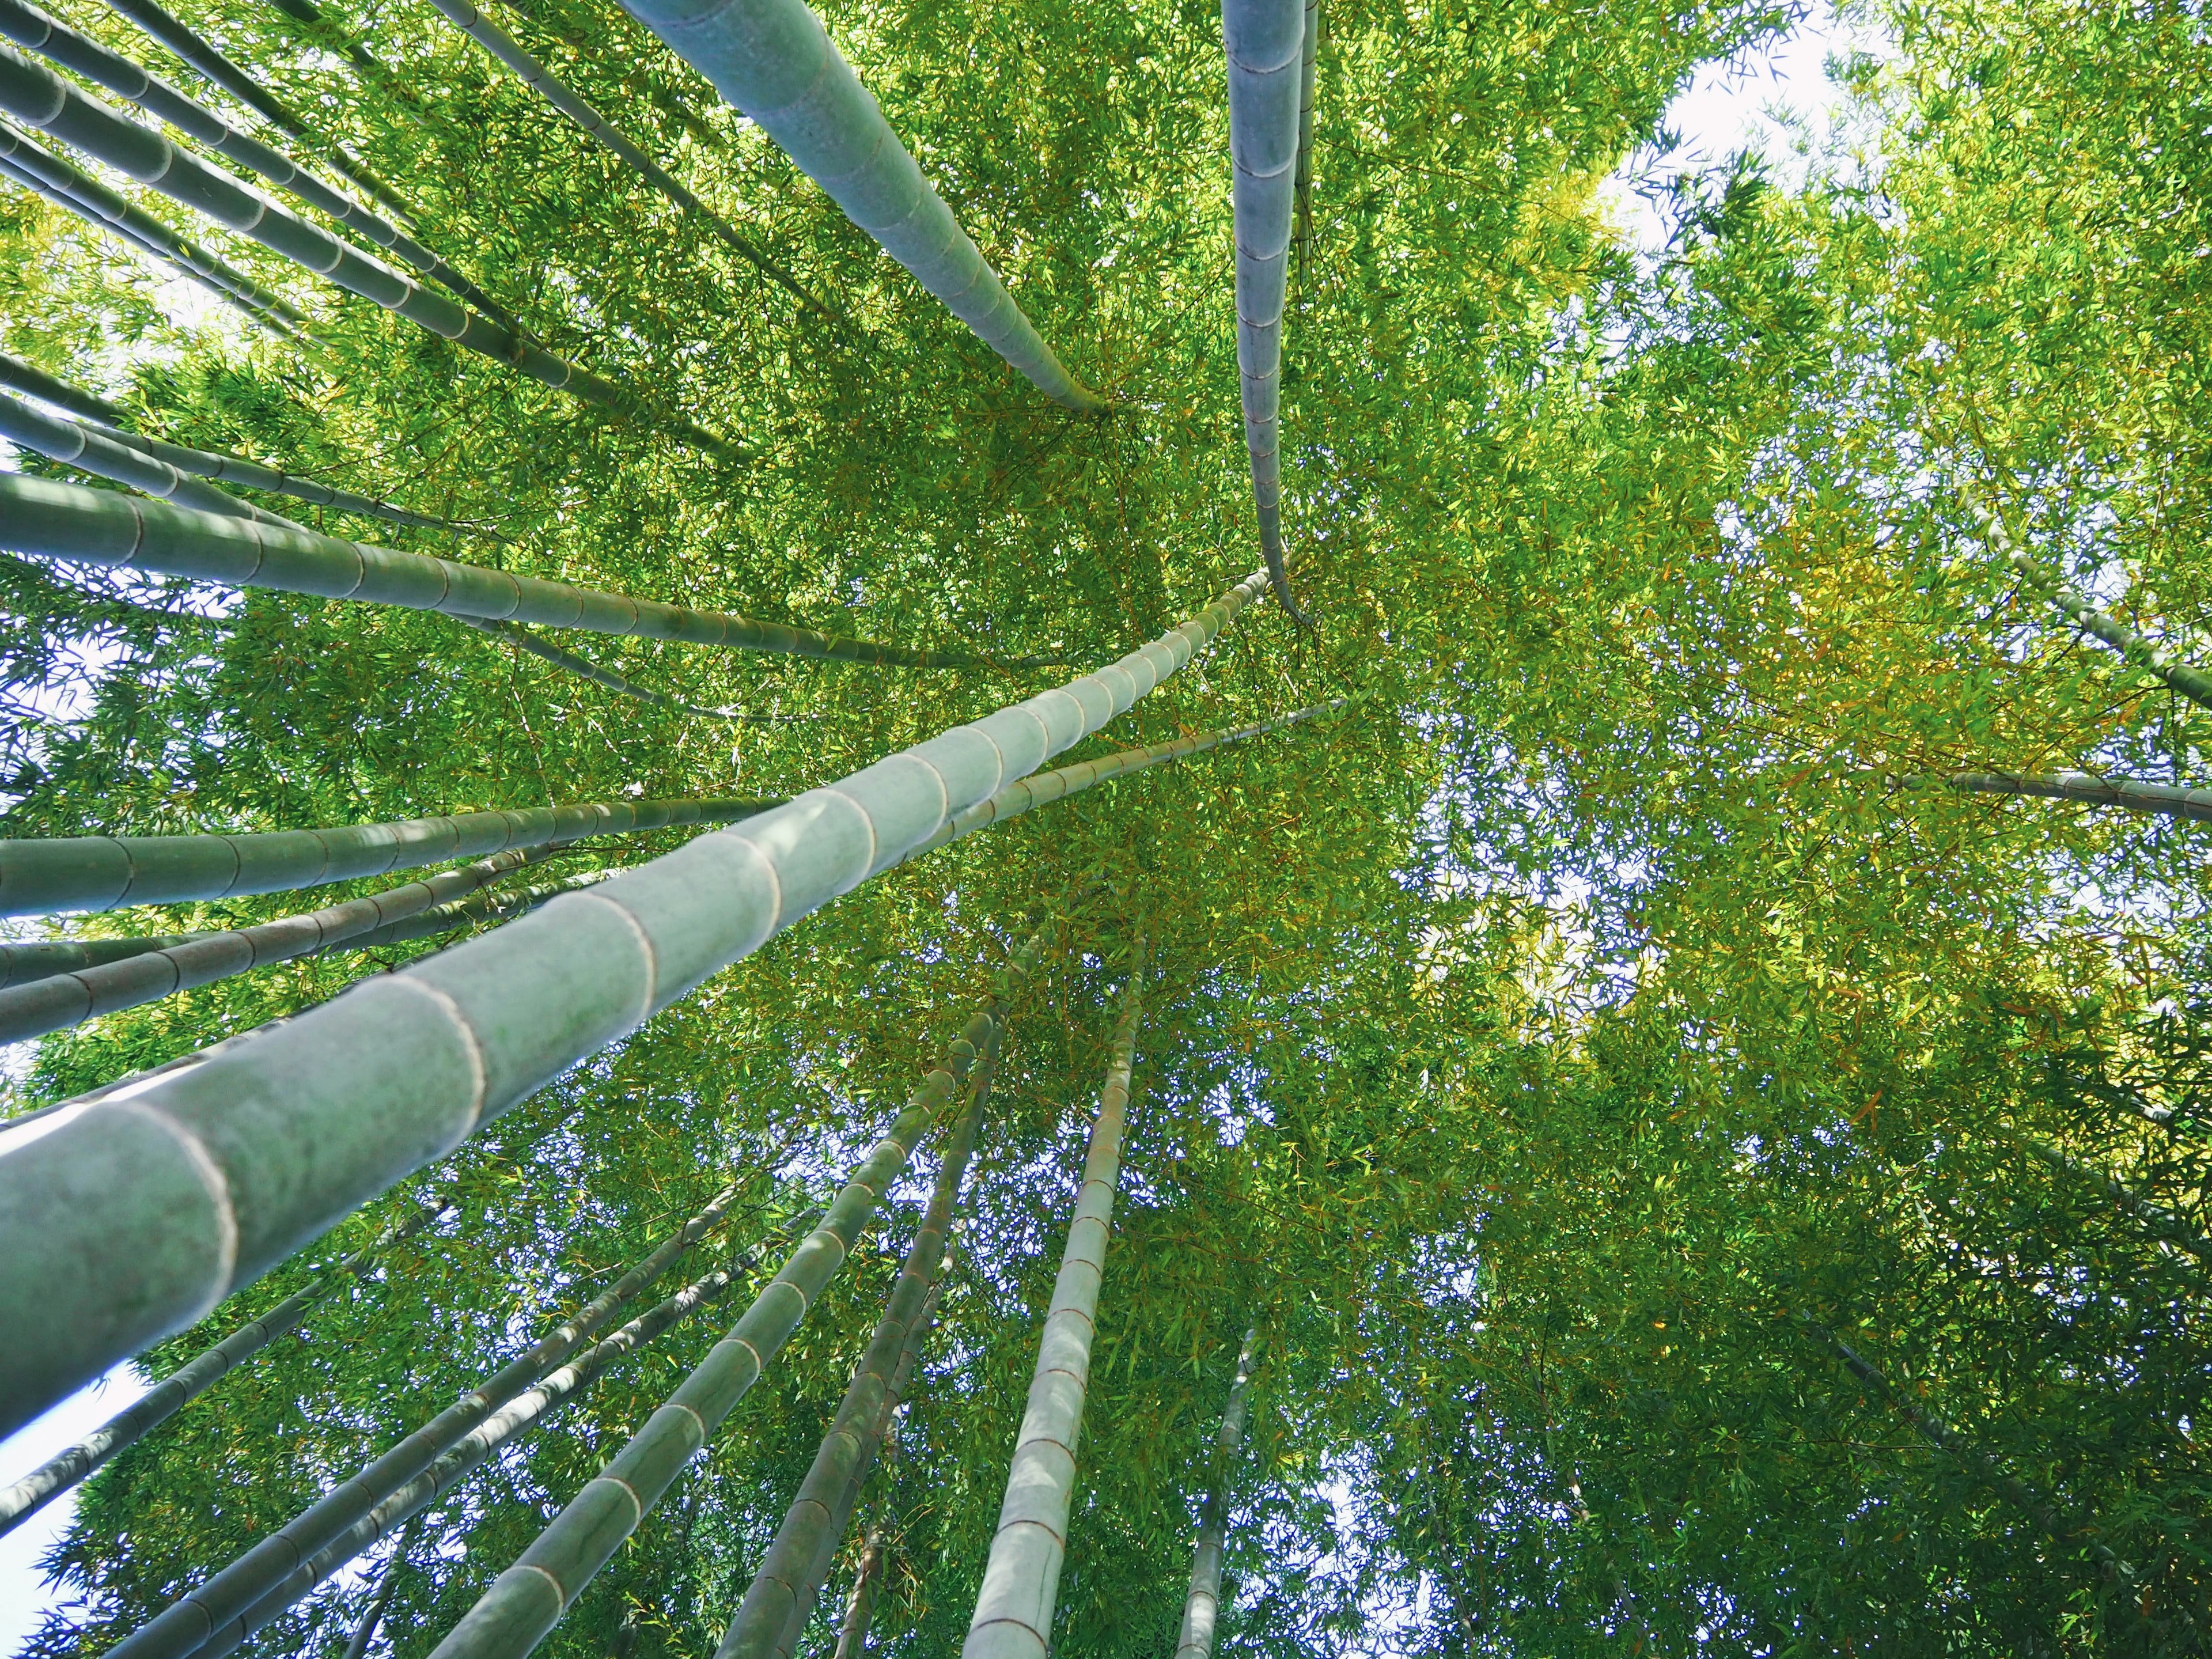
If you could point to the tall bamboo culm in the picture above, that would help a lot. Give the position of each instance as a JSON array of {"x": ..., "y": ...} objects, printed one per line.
[
  {"x": 773, "y": 60},
  {"x": 105, "y": 455},
  {"x": 1021, "y": 1580},
  {"x": 1302, "y": 178},
  {"x": 33, "y": 381},
  {"x": 1201, "y": 1607},
  {"x": 134, "y": 1218},
  {"x": 1264, "y": 41}
]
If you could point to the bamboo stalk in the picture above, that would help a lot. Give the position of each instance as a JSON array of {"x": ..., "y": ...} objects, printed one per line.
[
  {"x": 29, "y": 27},
  {"x": 35, "y": 382},
  {"x": 526, "y": 1601},
  {"x": 773, "y": 60},
  {"x": 99, "y": 872},
  {"x": 2160, "y": 1222},
  {"x": 134, "y": 1217},
  {"x": 387, "y": 1581},
  {"x": 188, "y": 1623},
  {"x": 1201, "y": 1607},
  {"x": 43, "y": 99},
  {"x": 545, "y": 651},
  {"x": 1021, "y": 1580},
  {"x": 2133, "y": 795},
  {"x": 1264, "y": 42},
  {"x": 112, "y": 532},
  {"x": 1302, "y": 178},
  {"x": 27, "y": 1496},
  {"x": 480, "y": 907},
  {"x": 852, "y": 1633},
  {"x": 86, "y": 447}
]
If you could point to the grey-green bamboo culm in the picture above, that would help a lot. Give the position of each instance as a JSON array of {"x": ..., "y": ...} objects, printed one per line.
[{"x": 1201, "y": 1607}]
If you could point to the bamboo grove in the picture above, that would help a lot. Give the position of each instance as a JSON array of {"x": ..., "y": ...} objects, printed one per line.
[{"x": 977, "y": 829}]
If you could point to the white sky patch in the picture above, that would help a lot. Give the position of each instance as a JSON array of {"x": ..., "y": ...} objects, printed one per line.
[{"x": 23, "y": 1596}]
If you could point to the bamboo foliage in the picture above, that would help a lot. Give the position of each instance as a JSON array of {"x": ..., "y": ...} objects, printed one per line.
[
  {"x": 173, "y": 1392},
  {"x": 112, "y": 532},
  {"x": 28, "y": 27},
  {"x": 773, "y": 60},
  {"x": 1021, "y": 1580},
  {"x": 43, "y": 99},
  {"x": 1264, "y": 41},
  {"x": 1201, "y": 1606},
  {"x": 99, "y": 872}
]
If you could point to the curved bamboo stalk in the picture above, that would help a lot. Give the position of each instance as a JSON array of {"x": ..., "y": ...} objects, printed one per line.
[
  {"x": 43, "y": 99},
  {"x": 1264, "y": 41},
  {"x": 173, "y": 1392},
  {"x": 1021, "y": 1579},
  {"x": 99, "y": 872},
  {"x": 71, "y": 188},
  {"x": 1302, "y": 180},
  {"x": 186, "y": 1624},
  {"x": 219, "y": 71},
  {"x": 89, "y": 449},
  {"x": 29, "y": 27},
  {"x": 2169, "y": 799},
  {"x": 773, "y": 60},
  {"x": 133, "y": 1218},
  {"x": 35, "y": 382},
  {"x": 1201, "y": 1607},
  {"x": 113, "y": 532},
  {"x": 548, "y": 652},
  {"x": 550, "y": 87},
  {"x": 526, "y": 1601},
  {"x": 776, "y": 1605},
  {"x": 74, "y": 996}
]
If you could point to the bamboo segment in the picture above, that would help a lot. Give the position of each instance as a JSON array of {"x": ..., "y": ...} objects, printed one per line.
[
  {"x": 219, "y": 71},
  {"x": 101, "y": 528},
  {"x": 133, "y": 1218},
  {"x": 35, "y": 382},
  {"x": 775, "y": 1607},
  {"x": 2135, "y": 796},
  {"x": 173, "y": 1392},
  {"x": 1302, "y": 180},
  {"x": 74, "y": 995},
  {"x": 1265, "y": 40},
  {"x": 36, "y": 959},
  {"x": 27, "y": 26},
  {"x": 528, "y": 1599},
  {"x": 91, "y": 449},
  {"x": 1202, "y": 1607},
  {"x": 186, "y": 1624},
  {"x": 45, "y": 100},
  {"x": 550, "y": 87},
  {"x": 773, "y": 60},
  {"x": 72, "y": 189},
  {"x": 1021, "y": 1580},
  {"x": 99, "y": 872}
]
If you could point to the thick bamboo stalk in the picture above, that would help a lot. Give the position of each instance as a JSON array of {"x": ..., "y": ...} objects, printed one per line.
[
  {"x": 71, "y": 188},
  {"x": 584, "y": 667},
  {"x": 76, "y": 443},
  {"x": 35, "y": 382},
  {"x": 112, "y": 532},
  {"x": 550, "y": 87},
  {"x": 74, "y": 996},
  {"x": 1201, "y": 1607},
  {"x": 528, "y": 1599},
  {"x": 185, "y": 1625},
  {"x": 192, "y": 1378},
  {"x": 1264, "y": 41},
  {"x": 776, "y": 1607},
  {"x": 134, "y": 1218},
  {"x": 1021, "y": 1580},
  {"x": 99, "y": 872},
  {"x": 43, "y": 99},
  {"x": 2135, "y": 796},
  {"x": 219, "y": 71},
  {"x": 1302, "y": 180},
  {"x": 29, "y": 27},
  {"x": 773, "y": 60}
]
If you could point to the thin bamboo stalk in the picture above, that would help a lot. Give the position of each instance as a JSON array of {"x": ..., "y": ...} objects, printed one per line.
[
  {"x": 2160, "y": 1222},
  {"x": 69, "y": 187},
  {"x": 852, "y": 1633},
  {"x": 1302, "y": 180},
  {"x": 74, "y": 995},
  {"x": 99, "y": 872},
  {"x": 528, "y": 1599},
  {"x": 188, "y": 1623},
  {"x": 55, "y": 40},
  {"x": 1201, "y": 1607},
  {"x": 550, "y": 87},
  {"x": 387, "y": 1581},
  {"x": 480, "y": 907},
  {"x": 546, "y": 651},
  {"x": 35, "y": 382},
  {"x": 773, "y": 60},
  {"x": 219, "y": 71},
  {"x": 76, "y": 443},
  {"x": 2133, "y": 795},
  {"x": 1264, "y": 41},
  {"x": 27, "y": 1496},
  {"x": 43, "y": 99},
  {"x": 112, "y": 532},
  {"x": 134, "y": 1217},
  {"x": 1021, "y": 1579},
  {"x": 776, "y": 1605}
]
